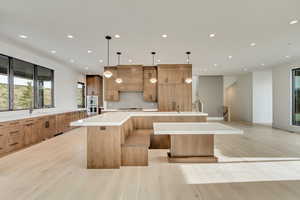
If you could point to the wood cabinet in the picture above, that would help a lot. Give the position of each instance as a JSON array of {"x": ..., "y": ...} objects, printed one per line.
[
  {"x": 174, "y": 94},
  {"x": 94, "y": 87},
  {"x": 3, "y": 139},
  {"x": 30, "y": 133},
  {"x": 15, "y": 136},
  {"x": 111, "y": 89},
  {"x": 132, "y": 77},
  {"x": 18, "y": 134},
  {"x": 150, "y": 88}
]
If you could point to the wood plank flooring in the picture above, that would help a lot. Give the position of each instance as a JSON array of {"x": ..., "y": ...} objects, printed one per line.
[{"x": 263, "y": 164}]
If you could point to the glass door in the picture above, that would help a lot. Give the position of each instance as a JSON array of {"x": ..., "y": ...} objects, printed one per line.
[{"x": 296, "y": 96}]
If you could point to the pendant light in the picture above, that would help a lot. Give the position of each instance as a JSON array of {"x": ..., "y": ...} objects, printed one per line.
[
  {"x": 153, "y": 57},
  {"x": 188, "y": 53},
  {"x": 119, "y": 80},
  {"x": 153, "y": 80},
  {"x": 119, "y": 57},
  {"x": 107, "y": 73},
  {"x": 188, "y": 80}
]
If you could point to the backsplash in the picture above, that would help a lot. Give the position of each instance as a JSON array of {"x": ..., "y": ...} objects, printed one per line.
[{"x": 131, "y": 100}]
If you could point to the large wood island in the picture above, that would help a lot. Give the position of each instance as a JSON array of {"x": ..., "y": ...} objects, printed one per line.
[{"x": 117, "y": 139}]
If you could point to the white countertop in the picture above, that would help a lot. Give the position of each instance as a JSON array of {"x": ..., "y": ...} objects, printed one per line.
[
  {"x": 118, "y": 118},
  {"x": 129, "y": 110},
  {"x": 192, "y": 128},
  {"x": 24, "y": 114}
]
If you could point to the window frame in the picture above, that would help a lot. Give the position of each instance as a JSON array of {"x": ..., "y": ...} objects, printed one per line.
[
  {"x": 294, "y": 123},
  {"x": 35, "y": 97},
  {"x": 8, "y": 77},
  {"x": 36, "y": 106},
  {"x": 83, "y": 95}
]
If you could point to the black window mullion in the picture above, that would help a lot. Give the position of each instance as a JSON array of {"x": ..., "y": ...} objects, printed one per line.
[
  {"x": 11, "y": 84},
  {"x": 35, "y": 102},
  {"x": 52, "y": 88}
]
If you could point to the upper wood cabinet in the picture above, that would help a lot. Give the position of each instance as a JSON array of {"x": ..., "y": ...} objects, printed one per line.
[
  {"x": 111, "y": 88},
  {"x": 94, "y": 87},
  {"x": 173, "y": 92},
  {"x": 132, "y": 78},
  {"x": 150, "y": 88}
]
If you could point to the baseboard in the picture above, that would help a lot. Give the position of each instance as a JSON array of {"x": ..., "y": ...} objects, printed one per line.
[{"x": 215, "y": 118}]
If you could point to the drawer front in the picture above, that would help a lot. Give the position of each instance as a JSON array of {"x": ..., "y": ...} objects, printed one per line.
[
  {"x": 3, "y": 140},
  {"x": 15, "y": 135}
]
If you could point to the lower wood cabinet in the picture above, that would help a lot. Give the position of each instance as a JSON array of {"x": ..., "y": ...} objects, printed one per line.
[{"x": 18, "y": 134}]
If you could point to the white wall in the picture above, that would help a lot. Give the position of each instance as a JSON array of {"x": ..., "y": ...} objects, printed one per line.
[
  {"x": 210, "y": 92},
  {"x": 282, "y": 97},
  {"x": 262, "y": 97},
  {"x": 239, "y": 98},
  {"x": 65, "y": 78}
]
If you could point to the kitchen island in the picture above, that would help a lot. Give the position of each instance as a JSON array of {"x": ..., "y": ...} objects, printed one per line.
[
  {"x": 193, "y": 142},
  {"x": 117, "y": 139}
]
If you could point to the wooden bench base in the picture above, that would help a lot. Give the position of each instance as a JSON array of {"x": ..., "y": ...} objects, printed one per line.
[{"x": 135, "y": 150}]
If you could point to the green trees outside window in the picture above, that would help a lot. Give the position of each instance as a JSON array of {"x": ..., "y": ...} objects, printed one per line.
[{"x": 24, "y": 85}]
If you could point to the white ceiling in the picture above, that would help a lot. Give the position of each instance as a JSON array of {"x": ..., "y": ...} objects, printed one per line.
[{"x": 141, "y": 23}]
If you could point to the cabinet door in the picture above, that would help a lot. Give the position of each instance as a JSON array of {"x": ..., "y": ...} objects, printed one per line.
[
  {"x": 29, "y": 132},
  {"x": 15, "y": 137},
  {"x": 183, "y": 96},
  {"x": 166, "y": 97},
  {"x": 111, "y": 90},
  {"x": 49, "y": 127},
  {"x": 132, "y": 77},
  {"x": 150, "y": 89},
  {"x": 3, "y": 140}
]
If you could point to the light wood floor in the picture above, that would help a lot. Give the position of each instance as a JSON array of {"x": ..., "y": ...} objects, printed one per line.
[{"x": 263, "y": 164}]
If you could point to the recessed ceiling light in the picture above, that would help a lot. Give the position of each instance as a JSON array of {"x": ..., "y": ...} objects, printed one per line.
[
  {"x": 164, "y": 35},
  {"x": 23, "y": 36},
  {"x": 245, "y": 69},
  {"x": 100, "y": 61},
  {"x": 158, "y": 60},
  {"x": 212, "y": 35},
  {"x": 117, "y": 36},
  {"x": 215, "y": 65},
  {"x": 262, "y": 64},
  {"x": 90, "y": 51},
  {"x": 53, "y": 51},
  {"x": 70, "y": 36},
  {"x": 86, "y": 68},
  {"x": 253, "y": 44},
  {"x": 130, "y": 60},
  {"x": 229, "y": 57},
  {"x": 294, "y": 22},
  {"x": 287, "y": 56},
  {"x": 72, "y": 61}
]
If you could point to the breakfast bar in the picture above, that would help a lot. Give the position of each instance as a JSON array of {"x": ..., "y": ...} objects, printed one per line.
[{"x": 193, "y": 142}]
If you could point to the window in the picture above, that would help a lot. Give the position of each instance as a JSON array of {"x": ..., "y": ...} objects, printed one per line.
[
  {"x": 44, "y": 85},
  {"x": 4, "y": 89},
  {"x": 80, "y": 95},
  {"x": 23, "y": 84},
  {"x": 296, "y": 97}
]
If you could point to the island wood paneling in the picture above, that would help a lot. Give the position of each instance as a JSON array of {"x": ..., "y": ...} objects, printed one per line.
[
  {"x": 104, "y": 147},
  {"x": 192, "y": 145}
]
